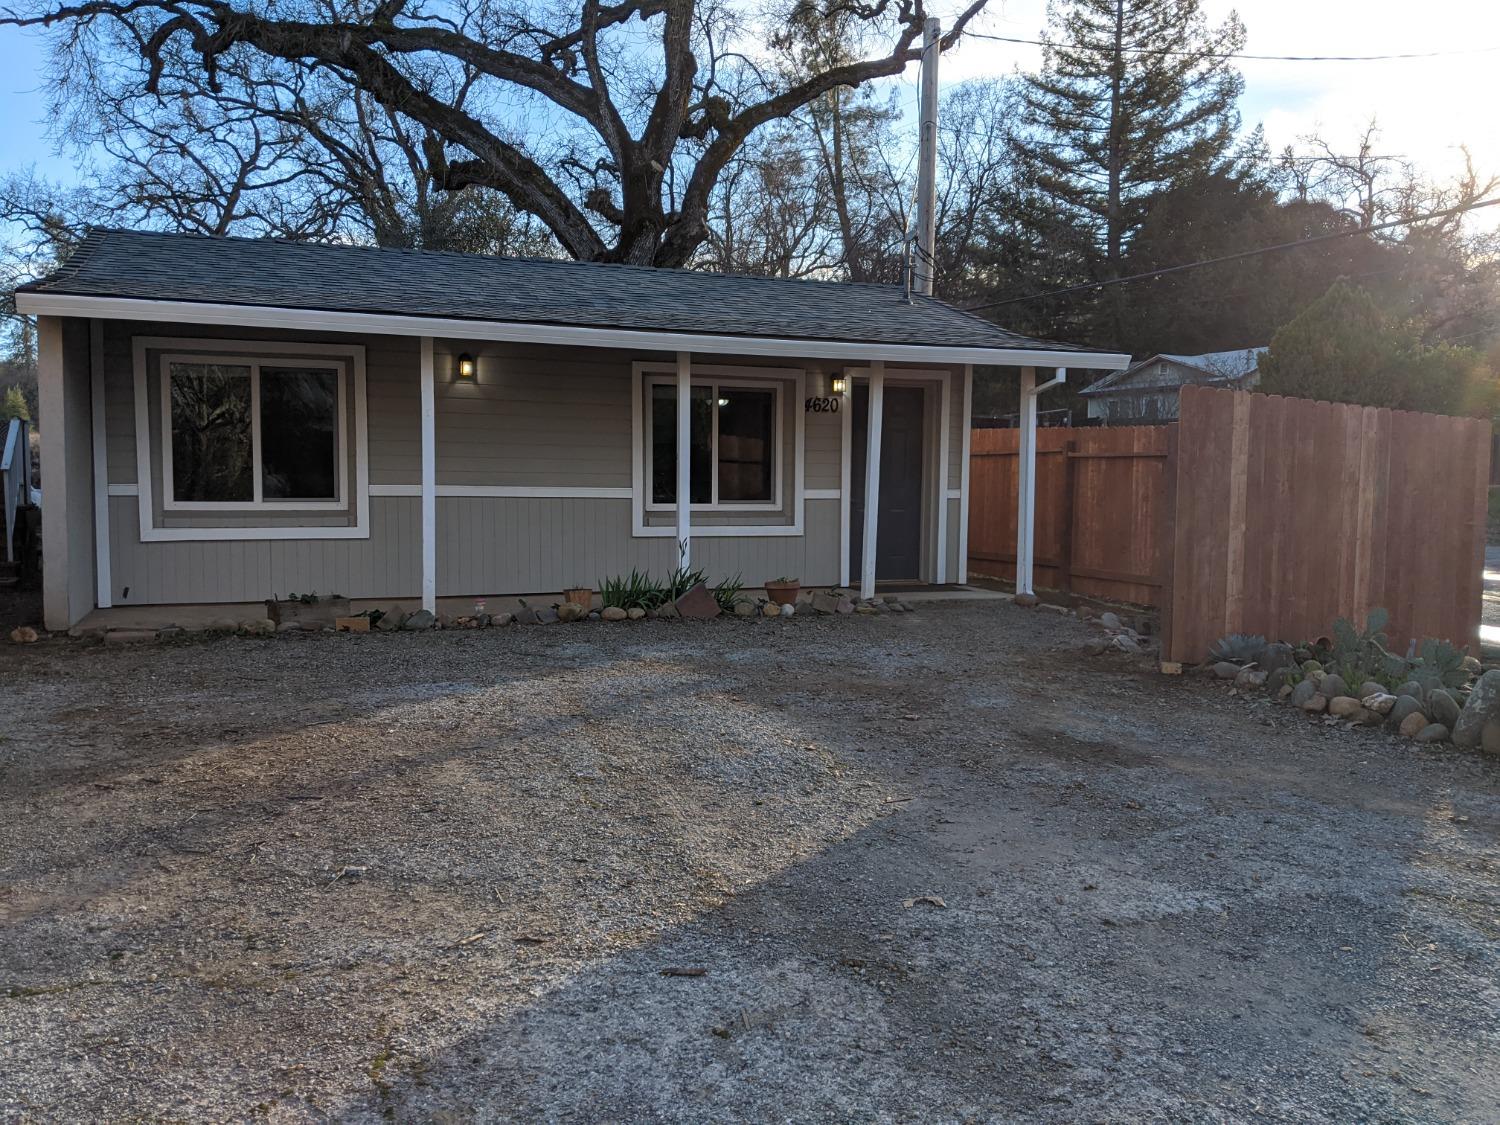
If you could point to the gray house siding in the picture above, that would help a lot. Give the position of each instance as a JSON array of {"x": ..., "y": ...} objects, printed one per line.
[{"x": 534, "y": 419}]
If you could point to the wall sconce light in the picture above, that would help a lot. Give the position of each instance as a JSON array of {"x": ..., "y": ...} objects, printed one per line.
[
  {"x": 466, "y": 366},
  {"x": 838, "y": 385}
]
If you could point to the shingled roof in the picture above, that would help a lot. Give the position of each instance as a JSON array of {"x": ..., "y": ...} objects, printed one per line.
[{"x": 421, "y": 283}]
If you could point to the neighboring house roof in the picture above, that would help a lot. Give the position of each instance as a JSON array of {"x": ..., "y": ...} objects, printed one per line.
[
  {"x": 270, "y": 273},
  {"x": 1209, "y": 369}
]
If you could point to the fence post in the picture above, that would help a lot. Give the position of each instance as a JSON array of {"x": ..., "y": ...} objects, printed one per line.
[
  {"x": 1166, "y": 542},
  {"x": 1065, "y": 539}
]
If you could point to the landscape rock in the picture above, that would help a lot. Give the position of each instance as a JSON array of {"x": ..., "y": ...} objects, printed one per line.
[
  {"x": 1303, "y": 692},
  {"x": 788, "y": 610},
  {"x": 525, "y": 616},
  {"x": 864, "y": 607},
  {"x": 221, "y": 625},
  {"x": 845, "y": 606},
  {"x": 1405, "y": 705},
  {"x": 502, "y": 618},
  {"x": 1370, "y": 687},
  {"x": 635, "y": 613},
  {"x": 1275, "y": 658},
  {"x": 422, "y": 619},
  {"x": 1316, "y": 704},
  {"x": 1489, "y": 736},
  {"x": 771, "y": 609},
  {"x": 547, "y": 616},
  {"x": 1226, "y": 670},
  {"x": 1471, "y": 665},
  {"x": 1311, "y": 666},
  {"x": 667, "y": 610},
  {"x": 1380, "y": 702},
  {"x": 1110, "y": 620},
  {"x": 698, "y": 603},
  {"x": 1432, "y": 732},
  {"x": 1483, "y": 704},
  {"x": 1124, "y": 642},
  {"x": 23, "y": 635},
  {"x": 1413, "y": 689},
  {"x": 1344, "y": 706},
  {"x": 743, "y": 608},
  {"x": 613, "y": 613},
  {"x": 389, "y": 621},
  {"x": 1332, "y": 685},
  {"x": 284, "y": 627},
  {"x": 825, "y": 604},
  {"x": 1414, "y": 724},
  {"x": 258, "y": 626},
  {"x": 1442, "y": 708},
  {"x": 1248, "y": 677}
]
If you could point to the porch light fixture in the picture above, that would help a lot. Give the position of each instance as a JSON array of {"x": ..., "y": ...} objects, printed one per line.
[
  {"x": 466, "y": 366},
  {"x": 838, "y": 385}
]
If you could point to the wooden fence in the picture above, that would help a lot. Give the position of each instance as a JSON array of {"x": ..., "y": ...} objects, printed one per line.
[
  {"x": 1289, "y": 514},
  {"x": 1253, "y": 514},
  {"x": 1102, "y": 527}
]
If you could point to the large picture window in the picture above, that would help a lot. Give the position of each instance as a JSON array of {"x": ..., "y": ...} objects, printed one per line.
[
  {"x": 247, "y": 432},
  {"x": 733, "y": 444}
]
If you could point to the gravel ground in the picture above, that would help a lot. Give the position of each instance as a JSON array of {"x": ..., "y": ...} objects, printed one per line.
[{"x": 938, "y": 867}]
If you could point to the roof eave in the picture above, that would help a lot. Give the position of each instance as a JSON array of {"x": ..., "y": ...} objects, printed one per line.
[{"x": 41, "y": 303}]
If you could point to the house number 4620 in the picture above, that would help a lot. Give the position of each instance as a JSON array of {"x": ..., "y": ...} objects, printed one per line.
[{"x": 825, "y": 404}]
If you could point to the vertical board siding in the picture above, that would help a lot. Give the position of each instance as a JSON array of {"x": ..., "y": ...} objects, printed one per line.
[
  {"x": 1099, "y": 509},
  {"x": 1290, "y": 514}
]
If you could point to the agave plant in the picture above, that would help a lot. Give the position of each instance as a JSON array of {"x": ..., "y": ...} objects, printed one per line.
[{"x": 1238, "y": 648}]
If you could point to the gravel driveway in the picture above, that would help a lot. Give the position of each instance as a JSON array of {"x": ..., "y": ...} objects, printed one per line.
[{"x": 937, "y": 867}]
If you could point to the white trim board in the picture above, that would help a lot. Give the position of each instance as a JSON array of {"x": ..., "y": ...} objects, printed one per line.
[
  {"x": 322, "y": 320},
  {"x": 506, "y": 491},
  {"x": 354, "y": 357}
]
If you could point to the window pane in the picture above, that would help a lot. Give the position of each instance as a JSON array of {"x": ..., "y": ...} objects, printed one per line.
[
  {"x": 746, "y": 444},
  {"x": 298, "y": 433},
  {"x": 211, "y": 453},
  {"x": 664, "y": 444}
]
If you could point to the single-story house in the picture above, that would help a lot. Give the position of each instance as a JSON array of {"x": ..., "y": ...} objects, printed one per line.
[
  {"x": 232, "y": 419},
  {"x": 1147, "y": 392}
]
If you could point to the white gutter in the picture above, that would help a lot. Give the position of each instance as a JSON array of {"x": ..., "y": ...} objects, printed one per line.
[{"x": 320, "y": 320}]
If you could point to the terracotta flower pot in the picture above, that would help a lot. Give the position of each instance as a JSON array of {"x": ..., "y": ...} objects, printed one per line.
[
  {"x": 784, "y": 593},
  {"x": 580, "y": 595}
]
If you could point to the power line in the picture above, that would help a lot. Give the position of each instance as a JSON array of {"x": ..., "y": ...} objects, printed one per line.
[
  {"x": 1232, "y": 54},
  {"x": 1095, "y": 286}
]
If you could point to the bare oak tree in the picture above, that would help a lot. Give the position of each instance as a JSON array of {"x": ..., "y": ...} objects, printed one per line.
[{"x": 611, "y": 125}]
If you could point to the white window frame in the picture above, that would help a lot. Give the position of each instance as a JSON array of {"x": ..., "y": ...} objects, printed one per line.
[
  {"x": 340, "y": 499},
  {"x": 277, "y": 352},
  {"x": 714, "y": 385}
]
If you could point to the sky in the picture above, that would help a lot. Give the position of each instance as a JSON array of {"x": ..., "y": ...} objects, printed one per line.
[{"x": 1426, "y": 108}]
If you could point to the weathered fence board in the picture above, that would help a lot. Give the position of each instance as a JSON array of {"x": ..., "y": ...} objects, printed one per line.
[
  {"x": 1101, "y": 519},
  {"x": 1289, "y": 514}
]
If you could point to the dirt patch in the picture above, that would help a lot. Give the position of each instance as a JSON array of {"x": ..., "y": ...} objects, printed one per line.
[{"x": 358, "y": 877}]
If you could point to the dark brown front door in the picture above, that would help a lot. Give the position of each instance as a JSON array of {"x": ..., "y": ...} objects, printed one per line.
[{"x": 898, "y": 542}]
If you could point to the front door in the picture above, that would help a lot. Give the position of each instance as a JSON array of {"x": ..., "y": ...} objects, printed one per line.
[{"x": 898, "y": 541}]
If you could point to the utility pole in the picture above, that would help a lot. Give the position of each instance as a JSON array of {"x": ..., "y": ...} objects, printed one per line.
[{"x": 926, "y": 217}]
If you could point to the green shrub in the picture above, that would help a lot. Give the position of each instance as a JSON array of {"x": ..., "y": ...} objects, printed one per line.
[
  {"x": 726, "y": 593},
  {"x": 638, "y": 590}
]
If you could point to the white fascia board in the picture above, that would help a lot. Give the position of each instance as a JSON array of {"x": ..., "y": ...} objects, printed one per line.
[{"x": 320, "y": 320}]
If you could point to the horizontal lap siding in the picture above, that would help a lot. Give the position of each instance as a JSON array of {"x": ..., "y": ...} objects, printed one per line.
[{"x": 388, "y": 564}]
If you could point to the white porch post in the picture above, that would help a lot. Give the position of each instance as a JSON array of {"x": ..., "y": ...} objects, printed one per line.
[
  {"x": 103, "y": 596},
  {"x": 429, "y": 479},
  {"x": 684, "y": 458},
  {"x": 1026, "y": 484},
  {"x": 963, "y": 477},
  {"x": 872, "y": 479}
]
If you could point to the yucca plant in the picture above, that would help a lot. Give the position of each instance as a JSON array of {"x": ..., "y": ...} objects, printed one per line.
[
  {"x": 726, "y": 593},
  {"x": 635, "y": 590}
]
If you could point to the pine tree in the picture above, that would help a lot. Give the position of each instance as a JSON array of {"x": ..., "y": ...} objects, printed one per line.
[{"x": 1134, "y": 97}]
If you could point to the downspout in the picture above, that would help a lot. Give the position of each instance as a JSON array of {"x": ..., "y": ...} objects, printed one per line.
[{"x": 1026, "y": 482}]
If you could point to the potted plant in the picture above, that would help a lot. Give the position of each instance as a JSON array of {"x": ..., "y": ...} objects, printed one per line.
[
  {"x": 784, "y": 591},
  {"x": 580, "y": 595}
]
